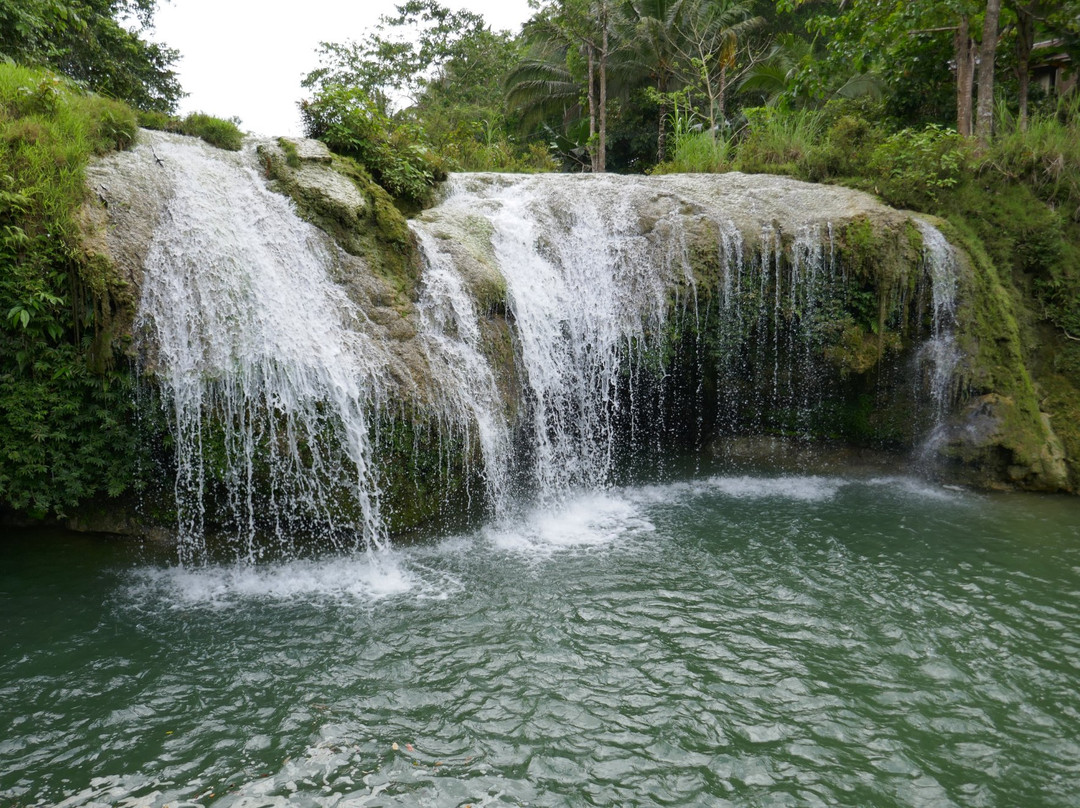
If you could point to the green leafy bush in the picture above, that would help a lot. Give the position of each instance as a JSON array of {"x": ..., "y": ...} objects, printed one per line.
[
  {"x": 483, "y": 145},
  {"x": 913, "y": 166},
  {"x": 394, "y": 153},
  {"x": 218, "y": 132},
  {"x": 845, "y": 151}
]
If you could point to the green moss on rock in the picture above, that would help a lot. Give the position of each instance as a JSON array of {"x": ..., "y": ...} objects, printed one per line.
[
  {"x": 1001, "y": 434},
  {"x": 338, "y": 196}
]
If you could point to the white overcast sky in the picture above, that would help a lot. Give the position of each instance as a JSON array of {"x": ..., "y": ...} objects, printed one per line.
[{"x": 246, "y": 57}]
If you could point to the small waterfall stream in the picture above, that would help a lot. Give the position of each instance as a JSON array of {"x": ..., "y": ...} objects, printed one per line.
[
  {"x": 939, "y": 355},
  {"x": 469, "y": 395},
  {"x": 587, "y": 296}
]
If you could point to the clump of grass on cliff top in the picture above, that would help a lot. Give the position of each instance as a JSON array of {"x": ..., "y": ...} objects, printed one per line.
[
  {"x": 225, "y": 134},
  {"x": 65, "y": 436}
]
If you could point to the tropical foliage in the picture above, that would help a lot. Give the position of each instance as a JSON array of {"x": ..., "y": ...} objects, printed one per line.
[
  {"x": 94, "y": 42},
  {"x": 425, "y": 80},
  {"x": 585, "y": 78}
]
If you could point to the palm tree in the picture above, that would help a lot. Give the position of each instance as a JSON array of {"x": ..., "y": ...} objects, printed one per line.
[
  {"x": 775, "y": 75},
  {"x": 707, "y": 40},
  {"x": 654, "y": 25},
  {"x": 541, "y": 86},
  {"x": 545, "y": 80}
]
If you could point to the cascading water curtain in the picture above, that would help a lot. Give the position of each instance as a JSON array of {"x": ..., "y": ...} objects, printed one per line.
[
  {"x": 939, "y": 355},
  {"x": 268, "y": 380}
]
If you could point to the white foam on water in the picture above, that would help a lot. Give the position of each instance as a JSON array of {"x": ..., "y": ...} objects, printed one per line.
[
  {"x": 586, "y": 521},
  {"x": 792, "y": 488},
  {"x": 125, "y": 791},
  {"x": 913, "y": 487},
  {"x": 796, "y": 489},
  {"x": 364, "y": 577}
]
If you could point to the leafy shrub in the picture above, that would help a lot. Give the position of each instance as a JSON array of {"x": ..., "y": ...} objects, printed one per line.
[
  {"x": 484, "y": 146},
  {"x": 915, "y": 165},
  {"x": 113, "y": 125},
  {"x": 846, "y": 150},
  {"x": 161, "y": 121},
  {"x": 216, "y": 131},
  {"x": 394, "y": 153}
]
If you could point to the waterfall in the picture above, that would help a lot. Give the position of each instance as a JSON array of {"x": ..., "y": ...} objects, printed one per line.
[
  {"x": 586, "y": 291},
  {"x": 564, "y": 329},
  {"x": 469, "y": 398},
  {"x": 269, "y": 380},
  {"x": 939, "y": 355},
  {"x": 600, "y": 273}
]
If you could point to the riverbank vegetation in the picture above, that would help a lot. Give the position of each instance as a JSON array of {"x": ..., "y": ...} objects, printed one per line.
[
  {"x": 76, "y": 81},
  {"x": 66, "y": 403}
]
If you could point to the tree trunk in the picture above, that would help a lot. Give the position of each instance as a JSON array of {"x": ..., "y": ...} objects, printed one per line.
[
  {"x": 602, "y": 111},
  {"x": 984, "y": 112},
  {"x": 721, "y": 100},
  {"x": 1025, "y": 42},
  {"x": 601, "y": 148},
  {"x": 965, "y": 75},
  {"x": 592, "y": 107}
]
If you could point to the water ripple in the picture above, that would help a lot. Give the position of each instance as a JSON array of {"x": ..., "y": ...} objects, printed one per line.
[{"x": 819, "y": 642}]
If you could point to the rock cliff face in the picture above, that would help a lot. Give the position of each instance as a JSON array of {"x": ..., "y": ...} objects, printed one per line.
[{"x": 533, "y": 334}]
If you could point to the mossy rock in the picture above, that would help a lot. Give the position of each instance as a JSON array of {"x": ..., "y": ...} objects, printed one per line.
[
  {"x": 338, "y": 196},
  {"x": 1001, "y": 436}
]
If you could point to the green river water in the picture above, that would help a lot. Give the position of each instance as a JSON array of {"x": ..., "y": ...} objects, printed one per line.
[{"x": 747, "y": 641}]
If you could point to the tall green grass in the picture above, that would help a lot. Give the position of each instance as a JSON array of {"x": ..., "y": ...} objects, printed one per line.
[
  {"x": 779, "y": 141},
  {"x": 771, "y": 141},
  {"x": 1046, "y": 155},
  {"x": 694, "y": 149},
  {"x": 220, "y": 132},
  {"x": 700, "y": 153}
]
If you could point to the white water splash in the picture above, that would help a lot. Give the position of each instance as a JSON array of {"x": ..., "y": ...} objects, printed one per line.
[
  {"x": 589, "y": 520},
  {"x": 360, "y": 578}
]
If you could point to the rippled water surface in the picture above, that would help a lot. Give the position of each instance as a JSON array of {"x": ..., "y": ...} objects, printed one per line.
[{"x": 727, "y": 641}]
